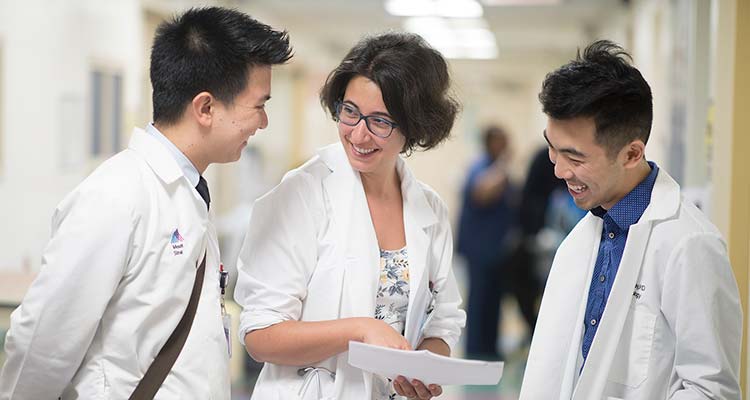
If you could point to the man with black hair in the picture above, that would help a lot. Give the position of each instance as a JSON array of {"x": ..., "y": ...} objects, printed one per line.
[
  {"x": 128, "y": 303},
  {"x": 641, "y": 302}
]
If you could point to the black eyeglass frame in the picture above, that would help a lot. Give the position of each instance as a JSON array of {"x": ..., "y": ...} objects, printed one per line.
[{"x": 393, "y": 125}]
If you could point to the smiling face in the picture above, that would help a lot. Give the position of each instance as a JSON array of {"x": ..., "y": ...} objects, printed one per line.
[
  {"x": 235, "y": 123},
  {"x": 593, "y": 178},
  {"x": 367, "y": 153}
]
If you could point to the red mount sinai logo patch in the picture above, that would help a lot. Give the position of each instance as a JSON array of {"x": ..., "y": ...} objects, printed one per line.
[{"x": 177, "y": 242}]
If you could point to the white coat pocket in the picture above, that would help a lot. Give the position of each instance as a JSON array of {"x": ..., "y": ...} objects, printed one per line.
[{"x": 633, "y": 355}]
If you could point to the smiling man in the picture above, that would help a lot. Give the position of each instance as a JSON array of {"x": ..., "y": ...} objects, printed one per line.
[
  {"x": 127, "y": 302},
  {"x": 641, "y": 302}
]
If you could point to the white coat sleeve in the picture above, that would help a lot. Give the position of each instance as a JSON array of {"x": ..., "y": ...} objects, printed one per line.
[
  {"x": 701, "y": 304},
  {"x": 449, "y": 319},
  {"x": 278, "y": 255},
  {"x": 50, "y": 332}
]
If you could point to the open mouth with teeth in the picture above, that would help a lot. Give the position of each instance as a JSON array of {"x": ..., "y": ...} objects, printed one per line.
[
  {"x": 363, "y": 152},
  {"x": 576, "y": 190}
]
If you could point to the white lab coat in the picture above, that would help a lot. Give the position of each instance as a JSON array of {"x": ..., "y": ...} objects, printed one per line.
[
  {"x": 672, "y": 325},
  {"x": 311, "y": 254},
  {"x": 112, "y": 288}
]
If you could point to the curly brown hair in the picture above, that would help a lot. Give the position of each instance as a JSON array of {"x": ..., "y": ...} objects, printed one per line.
[{"x": 413, "y": 78}]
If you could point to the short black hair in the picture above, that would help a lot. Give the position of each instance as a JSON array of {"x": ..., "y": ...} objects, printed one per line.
[
  {"x": 413, "y": 78},
  {"x": 209, "y": 49},
  {"x": 603, "y": 85}
]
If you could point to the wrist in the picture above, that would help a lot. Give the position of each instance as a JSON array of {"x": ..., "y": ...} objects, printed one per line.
[{"x": 357, "y": 330}]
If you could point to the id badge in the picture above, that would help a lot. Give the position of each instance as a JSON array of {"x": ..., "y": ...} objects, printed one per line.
[{"x": 226, "y": 320}]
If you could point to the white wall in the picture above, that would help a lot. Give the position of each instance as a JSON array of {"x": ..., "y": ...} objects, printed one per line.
[
  {"x": 722, "y": 88},
  {"x": 48, "y": 50},
  {"x": 651, "y": 44},
  {"x": 670, "y": 45}
]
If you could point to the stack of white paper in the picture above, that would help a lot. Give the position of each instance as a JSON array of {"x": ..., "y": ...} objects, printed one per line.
[{"x": 426, "y": 366}]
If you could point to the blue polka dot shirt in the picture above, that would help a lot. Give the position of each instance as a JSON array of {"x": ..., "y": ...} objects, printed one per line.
[{"x": 617, "y": 221}]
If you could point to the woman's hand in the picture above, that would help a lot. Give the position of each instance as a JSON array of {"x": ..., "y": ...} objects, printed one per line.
[
  {"x": 377, "y": 332},
  {"x": 416, "y": 389}
]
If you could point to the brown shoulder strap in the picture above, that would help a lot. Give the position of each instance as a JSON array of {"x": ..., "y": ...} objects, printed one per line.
[{"x": 162, "y": 364}]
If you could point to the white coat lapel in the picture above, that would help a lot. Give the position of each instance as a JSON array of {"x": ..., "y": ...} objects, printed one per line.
[
  {"x": 418, "y": 216},
  {"x": 358, "y": 251},
  {"x": 362, "y": 258},
  {"x": 416, "y": 247},
  {"x": 594, "y": 374},
  {"x": 356, "y": 235},
  {"x": 551, "y": 374}
]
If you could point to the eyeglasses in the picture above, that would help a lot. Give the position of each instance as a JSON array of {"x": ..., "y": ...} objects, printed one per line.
[{"x": 376, "y": 124}]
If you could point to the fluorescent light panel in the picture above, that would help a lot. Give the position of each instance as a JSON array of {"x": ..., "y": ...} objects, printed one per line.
[{"x": 456, "y": 37}]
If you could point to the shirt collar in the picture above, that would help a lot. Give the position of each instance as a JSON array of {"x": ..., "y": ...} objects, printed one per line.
[
  {"x": 630, "y": 208},
  {"x": 187, "y": 167}
]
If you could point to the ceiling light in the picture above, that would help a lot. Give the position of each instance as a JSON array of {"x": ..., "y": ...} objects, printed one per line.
[
  {"x": 435, "y": 8},
  {"x": 456, "y": 38}
]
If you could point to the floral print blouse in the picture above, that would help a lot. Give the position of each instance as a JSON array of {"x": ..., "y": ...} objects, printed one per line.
[{"x": 391, "y": 303}]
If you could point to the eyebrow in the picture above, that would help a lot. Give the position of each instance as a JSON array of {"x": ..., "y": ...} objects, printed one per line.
[
  {"x": 384, "y": 114},
  {"x": 567, "y": 150}
]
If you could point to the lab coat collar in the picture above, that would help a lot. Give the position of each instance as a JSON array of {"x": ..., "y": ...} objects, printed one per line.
[
  {"x": 156, "y": 156},
  {"x": 419, "y": 209},
  {"x": 187, "y": 167},
  {"x": 415, "y": 202},
  {"x": 665, "y": 199}
]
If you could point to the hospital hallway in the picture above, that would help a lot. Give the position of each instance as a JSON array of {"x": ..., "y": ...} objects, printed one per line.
[{"x": 75, "y": 84}]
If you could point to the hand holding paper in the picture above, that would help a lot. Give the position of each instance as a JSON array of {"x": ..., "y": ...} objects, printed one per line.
[{"x": 423, "y": 365}]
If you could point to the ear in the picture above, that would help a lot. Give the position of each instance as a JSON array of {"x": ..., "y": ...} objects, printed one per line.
[
  {"x": 633, "y": 153},
  {"x": 202, "y": 108}
]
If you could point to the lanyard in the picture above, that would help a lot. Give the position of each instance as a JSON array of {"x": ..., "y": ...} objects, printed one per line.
[{"x": 223, "y": 279}]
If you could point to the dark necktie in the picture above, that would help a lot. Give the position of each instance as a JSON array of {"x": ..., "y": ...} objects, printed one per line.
[{"x": 202, "y": 189}]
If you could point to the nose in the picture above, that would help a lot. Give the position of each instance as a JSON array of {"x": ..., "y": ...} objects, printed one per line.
[
  {"x": 562, "y": 170},
  {"x": 558, "y": 171},
  {"x": 263, "y": 120},
  {"x": 359, "y": 132}
]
